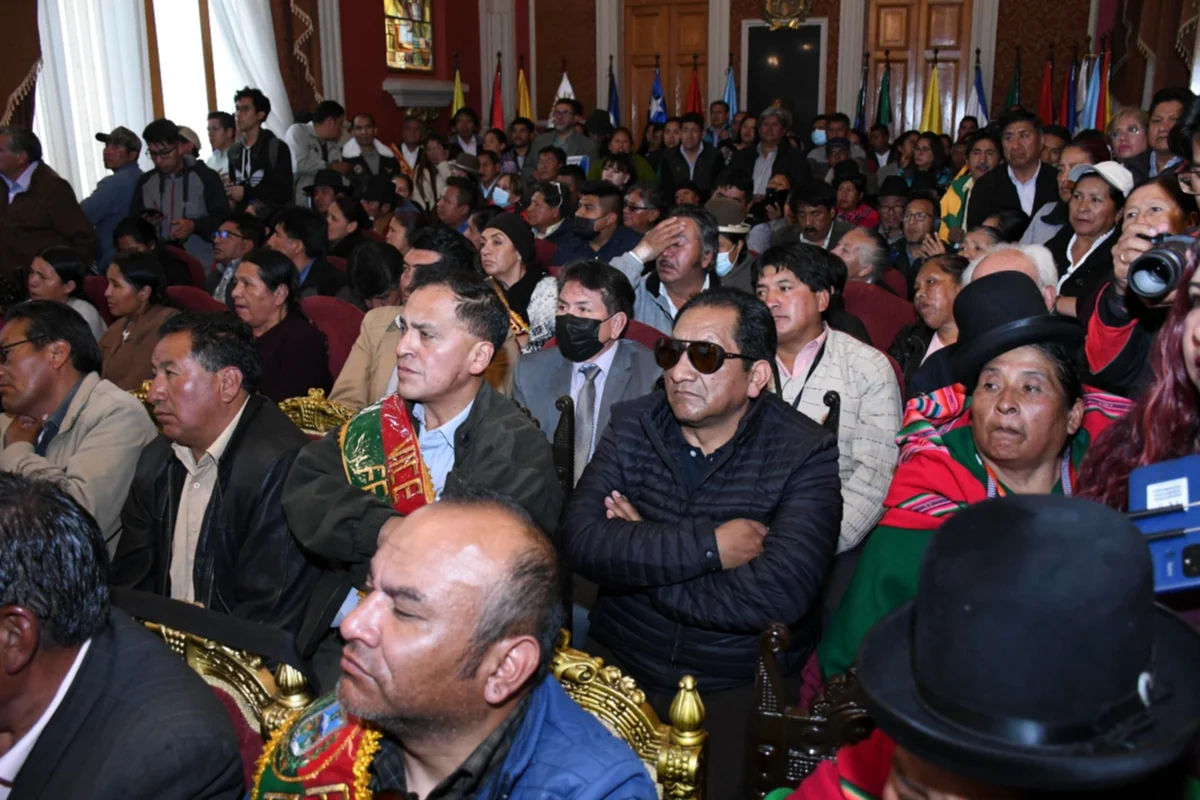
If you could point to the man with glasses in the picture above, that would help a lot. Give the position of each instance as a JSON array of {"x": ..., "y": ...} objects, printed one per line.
[
  {"x": 260, "y": 163},
  {"x": 920, "y": 242},
  {"x": 1166, "y": 110},
  {"x": 221, "y": 132},
  {"x": 1027, "y": 183},
  {"x": 563, "y": 136},
  {"x": 893, "y": 196},
  {"x": 61, "y": 420},
  {"x": 181, "y": 197},
  {"x": 238, "y": 235},
  {"x": 644, "y": 206},
  {"x": 707, "y": 512}
]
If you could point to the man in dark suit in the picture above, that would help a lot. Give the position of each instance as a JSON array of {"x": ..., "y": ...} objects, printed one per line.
[
  {"x": 591, "y": 362},
  {"x": 692, "y": 160},
  {"x": 92, "y": 704},
  {"x": 1166, "y": 109},
  {"x": 302, "y": 235},
  {"x": 773, "y": 155},
  {"x": 1027, "y": 183}
]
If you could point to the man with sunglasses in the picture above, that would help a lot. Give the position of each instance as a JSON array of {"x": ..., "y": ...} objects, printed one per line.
[
  {"x": 708, "y": 511},
  {"x": 239, "y": 234},
  {"x": 181, "y": 197},
  {"x": 61, "y": 420}
]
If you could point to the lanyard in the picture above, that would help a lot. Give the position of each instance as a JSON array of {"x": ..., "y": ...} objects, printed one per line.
[
  {"x": 994, "y": 489},
  {"x": 811, "y": 369}
]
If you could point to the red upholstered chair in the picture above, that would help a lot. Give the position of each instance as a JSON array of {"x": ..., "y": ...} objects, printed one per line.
[
  {"x": 337, "y": 263},
  {"x": 896, "y": 282},
  {"x": 370, "y": 233},
  {"x": 93, "y": 287},
  {"x": 195, "y": 268},
  {"x": 339, "y": 321},
  {"x": 194, "y": 299},
  {"x": 882, "y": 312},
  {"x": 899, "y": 373},
  {"x": 544, "y": 251}
]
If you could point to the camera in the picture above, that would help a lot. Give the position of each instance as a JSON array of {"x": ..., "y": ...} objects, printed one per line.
[{"x": 1155, "y": 273}]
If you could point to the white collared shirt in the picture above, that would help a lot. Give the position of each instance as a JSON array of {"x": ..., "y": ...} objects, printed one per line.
[
  {"x": 549, "y": 231},
  {"x": 467, "y": 146},
  {"x": 604, "y": 361},
  {"x": 1025, "y": 191},
  {"x": 691, "y": 162},
  {"x": 21, "y": 184},
  {"x": 762, "y": 169},
  {"x": 882, "y": 158},
  {"x": 1074, "y": 265},
  {"x": 667, "y": 303},
  {"x": 410, "y": 156},
  {"x": 12, "y": 761},
  {"x": 825, "y": 244}
]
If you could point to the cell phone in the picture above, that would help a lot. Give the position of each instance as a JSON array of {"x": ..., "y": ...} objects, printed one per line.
[{"x": 153, "y": 216}]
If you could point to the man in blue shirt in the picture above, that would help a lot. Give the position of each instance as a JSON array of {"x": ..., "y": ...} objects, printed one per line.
[
  {"x": 109, "y": 203},
  {"x": 597, "y": 225}
]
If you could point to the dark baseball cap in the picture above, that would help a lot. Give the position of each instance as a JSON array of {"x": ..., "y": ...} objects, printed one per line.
[{"x": 121, "y": 136}]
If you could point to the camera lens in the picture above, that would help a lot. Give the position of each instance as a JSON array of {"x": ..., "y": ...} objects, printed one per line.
[{"x": 1156, "y": 272}]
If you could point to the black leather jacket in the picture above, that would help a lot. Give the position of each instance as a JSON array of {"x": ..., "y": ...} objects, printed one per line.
[{"x": 247, "y": 564}]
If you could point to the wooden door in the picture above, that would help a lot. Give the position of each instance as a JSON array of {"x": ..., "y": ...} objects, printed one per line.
[
  {"x": 905, "y": 33},
  {"x": 676, "y": 31}
]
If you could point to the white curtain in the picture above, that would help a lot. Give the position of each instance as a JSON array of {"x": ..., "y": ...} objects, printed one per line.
[
  {"x": 244, "y": 54},
  {"x": 95, "y": 76}
]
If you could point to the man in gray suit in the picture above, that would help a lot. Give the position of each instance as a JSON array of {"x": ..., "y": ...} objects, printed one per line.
[{"x": 591, "y": 361}]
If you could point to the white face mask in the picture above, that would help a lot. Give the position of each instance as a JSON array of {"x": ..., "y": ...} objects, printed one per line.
[
  {"x": 724, "y": 264},
  {"x": 500, "y": 197}
]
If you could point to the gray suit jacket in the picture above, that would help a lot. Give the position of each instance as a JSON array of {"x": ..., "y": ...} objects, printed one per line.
[{"x": 543, "y": 377}]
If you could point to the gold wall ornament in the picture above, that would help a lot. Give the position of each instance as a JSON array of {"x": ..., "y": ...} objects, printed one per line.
[
  {"x": 426, "y": 114},
  {"x": 785, "y": 13}
]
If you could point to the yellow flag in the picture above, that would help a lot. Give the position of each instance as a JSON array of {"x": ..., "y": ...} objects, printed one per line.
[
  {"x": 458, "y": 101},
  {"x": 931, "y": 120},
  {"x": 524, "y": 103}
]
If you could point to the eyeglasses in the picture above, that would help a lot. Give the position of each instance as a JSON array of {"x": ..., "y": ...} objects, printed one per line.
[
  {"x": 158, "y": 155},
  {"x": 6, "y": 348},
  {"x": 916, "y": 216},
  {"x": 706, "y": 357},
  {"x": 226, "y": 234},
  {"x": 632, "y": 207}
]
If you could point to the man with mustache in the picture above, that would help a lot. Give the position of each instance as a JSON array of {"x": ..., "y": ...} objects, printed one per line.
[
  {"x": 1166, "y": 109},
  {"x": 812, "y": 207},
  {"x": 203, "y": 520}
]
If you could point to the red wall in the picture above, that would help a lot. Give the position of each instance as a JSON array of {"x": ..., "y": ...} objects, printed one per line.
[{"x": 364, "y": 58}]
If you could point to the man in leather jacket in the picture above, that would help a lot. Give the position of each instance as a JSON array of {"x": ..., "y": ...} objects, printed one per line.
[{"x": 203, "y": 520}]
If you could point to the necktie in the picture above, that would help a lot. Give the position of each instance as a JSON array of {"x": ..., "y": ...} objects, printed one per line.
[{"x": 585, "y": 418}]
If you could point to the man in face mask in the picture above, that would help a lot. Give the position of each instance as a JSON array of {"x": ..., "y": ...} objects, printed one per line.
[
  {"x": 591, "y": 361},
  {"x": 597, "y": 226},
  {"x": 734, "y": 264}
]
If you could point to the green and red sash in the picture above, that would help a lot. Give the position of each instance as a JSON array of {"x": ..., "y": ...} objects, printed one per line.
[{"x": 381, "y": 456}]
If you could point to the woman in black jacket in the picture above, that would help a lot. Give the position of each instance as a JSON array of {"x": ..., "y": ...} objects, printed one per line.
[{"x": 937, "y": 285}]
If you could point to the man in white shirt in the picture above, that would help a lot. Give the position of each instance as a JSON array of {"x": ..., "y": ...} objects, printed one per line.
[
  {"x": 1027, "y": 183},
  {"x": 222, "y": 130},
  {"x": 317, "y": 145},
  {"x": 412, "y": 135},
  {"x": 465, "y": 126},
  {"x": 881, "y": 147},
  {"x": 91, "y": 703}
]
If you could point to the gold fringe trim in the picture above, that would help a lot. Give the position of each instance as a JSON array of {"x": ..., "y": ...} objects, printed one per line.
[
  {"x": 298, "y": 52},
  {"x": 269, "y": 751},
  {"x": 363, "y": 760},
  {"x": 21, "y": 92}
]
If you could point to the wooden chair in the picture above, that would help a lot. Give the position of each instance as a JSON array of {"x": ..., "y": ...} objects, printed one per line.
[
  {"x": 787, "y": 743},
  {"x": 673, "y": 754},
  {"x": 315, "y": 415}
]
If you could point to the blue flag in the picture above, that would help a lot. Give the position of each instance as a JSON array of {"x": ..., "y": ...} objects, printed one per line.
[
  {"x": 1088, "y": 117},
  {"x": 614, "y": 104},
  {"x": 731, "y": 96},
  {"x": 658, "y": 103},
  {"x": 977, "y": 101}
]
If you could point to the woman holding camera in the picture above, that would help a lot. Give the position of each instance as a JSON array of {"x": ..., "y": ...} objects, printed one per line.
[{"x": 1122, "y": 329}]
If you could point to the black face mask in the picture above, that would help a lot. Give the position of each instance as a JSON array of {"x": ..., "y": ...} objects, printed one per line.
[
  {"x": 585, "y": 229},
  {"x": 578, "y": 337}
]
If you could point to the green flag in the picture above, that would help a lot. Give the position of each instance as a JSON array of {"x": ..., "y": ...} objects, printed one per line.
[
  {"x": 1013, "y": 98},
  {"x": 883, "y": 112}
]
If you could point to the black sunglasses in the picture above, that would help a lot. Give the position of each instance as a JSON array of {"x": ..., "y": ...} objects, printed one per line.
[{"x": 706, "y": 357}]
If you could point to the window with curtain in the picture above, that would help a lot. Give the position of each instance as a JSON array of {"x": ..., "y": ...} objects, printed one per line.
[{"x": 125, "y": 62}]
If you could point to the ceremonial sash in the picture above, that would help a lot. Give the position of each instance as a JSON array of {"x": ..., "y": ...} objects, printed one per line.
[{"x": 381, "y": 456}]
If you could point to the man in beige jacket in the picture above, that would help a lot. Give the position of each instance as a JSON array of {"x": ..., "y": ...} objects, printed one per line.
[{"x": 61, "y": 420}]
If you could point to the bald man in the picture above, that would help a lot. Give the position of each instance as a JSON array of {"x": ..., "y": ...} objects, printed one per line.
[{"x": 447, "y": 654}]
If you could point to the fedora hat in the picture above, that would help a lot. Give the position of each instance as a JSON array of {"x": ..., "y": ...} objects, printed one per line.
[
  {"x": 1001, "y": 312},
  {"x": 1034, "y": 656}
]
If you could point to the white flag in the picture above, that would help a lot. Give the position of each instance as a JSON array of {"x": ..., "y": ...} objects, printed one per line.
[{"x": 565, "y": 89}]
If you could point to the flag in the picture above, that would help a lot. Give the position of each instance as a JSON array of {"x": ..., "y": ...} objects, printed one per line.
[
  {"x": 614, "y": 104},
  {"x": 977, "y": 100},
  {"x": 1081, "y": 88},
  {"x": 1091, "y": 103},
  {"x": 1046, "y": 96},
  {"x": 1066, "y": 105},
  {"x": 677, "y": 93},
  {"x": 883, "y": 110},
  {"x": 860, "y": 107},
  {"x": 497, "y": 115},
  {"x": 524, "y": 102},
  {"x": 658, "y": 103},
  {"x": 731, "y": 95},
  {"x": 1104, "y": 112},
  {"x": 1013, "y": 98},
  {"x": 695, "y": 105},
  {"x": 565, "y": 89},
  {"x": 458, "y": 101},
  {"x": 931, "y": 119}
]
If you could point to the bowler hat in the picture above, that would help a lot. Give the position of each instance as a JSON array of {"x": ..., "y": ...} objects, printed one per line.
[
  {"x": 848, "y": 171},
  {"x": 467, "y": 163},
  {"x": 380, "y": 189},
  {"x": 1001, "y": 312},
  {"x": 1034, "y": 656},
  {"x": 894, "y": 186},
  {"x": 329, "y": 178}
]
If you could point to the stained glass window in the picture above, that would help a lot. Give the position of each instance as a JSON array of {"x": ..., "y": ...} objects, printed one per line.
[{"x": 409, "y": 30}]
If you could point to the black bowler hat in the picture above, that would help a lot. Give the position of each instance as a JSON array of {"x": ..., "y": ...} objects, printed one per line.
[
  {"x": 329, "y": 178},
  {"x": 380, "y": 189},
  {"x": 894, "y": 186},
  {"x": 1034, "y": 656},
  {"x": 1001, "y": 312}
]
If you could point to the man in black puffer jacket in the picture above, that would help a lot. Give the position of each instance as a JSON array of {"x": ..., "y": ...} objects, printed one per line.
[{"x": 706, "y": 513}]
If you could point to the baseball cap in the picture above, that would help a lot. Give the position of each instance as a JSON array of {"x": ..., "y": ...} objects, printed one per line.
[
  {"x": 122, "y": 136},
  {"x": 1112, "y": 173},
  {"x": 187, "y": 133}
]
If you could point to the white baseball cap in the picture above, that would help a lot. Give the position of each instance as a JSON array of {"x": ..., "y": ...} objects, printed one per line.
[{"x": 1112, "y": 173}]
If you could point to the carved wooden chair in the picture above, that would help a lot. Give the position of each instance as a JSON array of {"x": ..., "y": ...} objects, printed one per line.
[
  {"x": 787, "y": 743},
  {"x": 674, "y": 753},
  {"x": 315, "y": 414}
]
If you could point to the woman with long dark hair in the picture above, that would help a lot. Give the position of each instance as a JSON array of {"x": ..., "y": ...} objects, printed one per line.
[
  {"x": 927, "y": 170},
  {"x": 347, "y": 220},
  {"x": 431, "y": 172},
  {"x": 57, "y": 274},
  {"x": 294, "y": 355},
  {"x": 137, "y": 300},
  {"x": 901, "y": 156}
]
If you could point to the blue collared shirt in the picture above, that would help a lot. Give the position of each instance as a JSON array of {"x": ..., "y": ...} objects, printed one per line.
[
  {"x": 21, "y": 184},
  {"x": 1154, "y": 164},
  {"x": 304, "y": 272},
  {"x": 52, "y": 423},
  {"x": 437, "y": 445},
  {"x": 108, "y": 205}
]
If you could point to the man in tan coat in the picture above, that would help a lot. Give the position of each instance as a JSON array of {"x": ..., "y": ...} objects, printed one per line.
[{"x": 62, "y": 420}]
